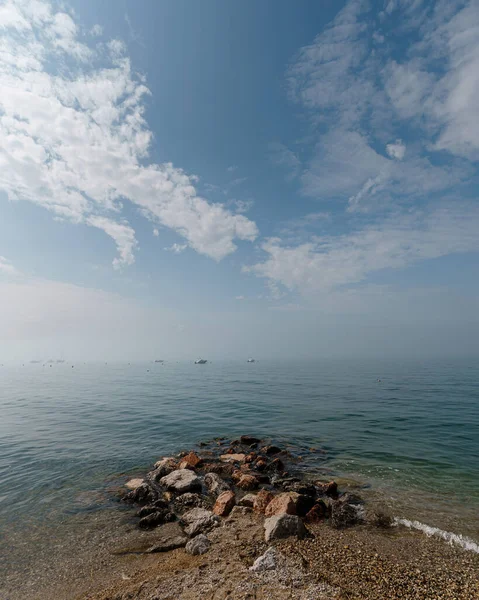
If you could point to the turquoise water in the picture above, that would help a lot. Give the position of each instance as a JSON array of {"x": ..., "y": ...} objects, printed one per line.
[{"x": 411, "y": 440}]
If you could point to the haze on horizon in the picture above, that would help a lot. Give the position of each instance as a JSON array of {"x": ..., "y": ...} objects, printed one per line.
[{"x": 224, "y": 179}]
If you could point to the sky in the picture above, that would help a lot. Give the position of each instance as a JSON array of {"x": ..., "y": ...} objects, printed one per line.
[{"x": 229, "y": 179}]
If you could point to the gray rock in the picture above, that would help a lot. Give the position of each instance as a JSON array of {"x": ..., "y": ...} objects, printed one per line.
[
  {"x": 215, "y": 484},
  {"x": 198, "y": 545},
  {"x": 198, "y": 521},
  {"x": 266, "y": 562},
  {"x": 181, "y": 481},
  {"x": 188, "y": 501},
  {"x": 283, "y": 526},
  {"x": 237, "y": 511},
  {"x": 345, "y": 515},
  {"x": 143, "y": 494},
  {"x": 156, "y": 518},
  {"x": 247, "y": 500}
]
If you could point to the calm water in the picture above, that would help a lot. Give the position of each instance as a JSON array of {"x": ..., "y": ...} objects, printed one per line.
[{"x": 413, "y": 439}]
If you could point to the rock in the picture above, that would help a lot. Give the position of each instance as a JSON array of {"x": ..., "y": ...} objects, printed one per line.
[
  {"x": 247, "y": 500},
  {"x": 165, "y": 466},
  {"x": 261, "y": 501},
  {"x": 269, "y": 450},
  {"x": 156, "y": 518},
  {"x": 190, "y": 461},
  {"x": 247, "y": 440},
  {"x": 215, "y": 484},
  {"x": 267, "y": 562},
  {"x": 170, "y": 537},
  {"x": 232, "y": 457},
  {"x": 275, "y": 465},
  {"x": 300, "y": 487},
  {"x": 304, "y": 504},
  {"x": 283, "y": 526},
  {"x": 251, "y": 457},
  {"x": 198, "y": 545},
  {"x": 260, "y": 465},
  {"x": 240, "y": 511},
  {"x": 187, "y": 501},
  {"x": 151, "y": 508},
  {"x": 224, "y": 504},
  {"x": 282, "y": 504},
  {"x": 349, "y": 498},
  {"x": 143, "y": 494},
  {"x": 317, "y": 513},
  {"x": 133, "y": 484},
  {"x": 248, "y": 482},
  {"x": 181, "y": 481},
  {"x": 344, "y": 515},
  {"x": 199, "y": 520},
  {"x": 327, "y": 489},
  {"x": 222, "y": 468}
]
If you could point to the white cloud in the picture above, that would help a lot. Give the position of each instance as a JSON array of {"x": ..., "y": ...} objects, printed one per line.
[
  {"x": 74, "y": 139},
  {"x": 243, "y": 206},
  {"x": 239, "y": 298},
  {"x": 156, "y": 233},
  {"x": 96, "y": 30},
  {"x": 329, "y": 262},
  {"x": 7, "y": 267},
  {"x": 232, "y": 168},
  {"x": 177, "y": 248},
  {"x": 396, "y": 150}
]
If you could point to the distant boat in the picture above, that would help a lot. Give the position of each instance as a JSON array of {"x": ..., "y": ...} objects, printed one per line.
[
  {"x": 251, "y": 360},
  {"x": 159, "y": 361},
  {"x": 200, "y": 361}
]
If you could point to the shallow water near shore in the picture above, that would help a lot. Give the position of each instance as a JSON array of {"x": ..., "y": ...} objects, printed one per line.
[{"x": 68, "y": 435}]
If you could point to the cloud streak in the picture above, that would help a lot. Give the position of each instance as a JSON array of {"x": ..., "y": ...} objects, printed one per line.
[{"x": 73, "y": 137}]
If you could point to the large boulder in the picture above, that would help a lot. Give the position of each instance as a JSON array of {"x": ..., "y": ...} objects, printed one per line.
[
  {"x": 224, "y": 504},
  {"x": 198, "y": 545},
  {"x": 181, "y": 481},
  {"x": 215, "y": 484},
  {"x": 283, "y": 526},
  {"x": 199, "y": 520}
]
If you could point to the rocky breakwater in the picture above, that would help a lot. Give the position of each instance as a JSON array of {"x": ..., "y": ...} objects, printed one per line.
[{"x": 193, "y": 491}]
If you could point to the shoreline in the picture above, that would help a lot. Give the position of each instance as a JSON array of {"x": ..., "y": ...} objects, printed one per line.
[{"x": 122, "y": 565}]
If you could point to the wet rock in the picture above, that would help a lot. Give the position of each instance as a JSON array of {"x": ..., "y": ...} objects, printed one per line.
[
  {"x": 260, "y": 465},
  {"x": 350, "y": 498},
  {"x": 188, "y": 501},
  {"x": 269, "y": 450},
  {"x": 151, "y": 508},
  {"x": 215, "y": 484},
  {"x": 143, "y": 494},
  {"x": 198, "y": 545},
  {"x": 225, "y": 469},
  {"x": 251, "y": 457},
  {"x": 156, "y": 518},
  {"x": 248, "y": 482},
  {"x": 181, "y": 481},
  {"x": 133, "y": 484},
  {"x": 344, "y": 514},
  {"x": 300, "y": 487},
  {"x": 317, "y": 513},
  {"x": 261, "y": 501},
  {"x": 282, "y": 504},
  {"x": 232, "y": 457},
  {"x": 190, "y": 461},
  {"x": 327, "y": 489},
  {"x": 247, "y": 440},
  {"x": 247, "y": 500},
  {"x": 266, "y": 562},
  {"x": 275, "y": 465},
  {"x": 199, "y": 520},
  {"x": 283, "y": 526},
  {"x": 168, "y": 537},
  {"x": 224, "y": 504},
  {"x": 304, "y": 504}
]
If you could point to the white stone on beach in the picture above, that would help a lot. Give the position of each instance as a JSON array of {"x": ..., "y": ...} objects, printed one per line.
[
  {"x": 181, "y": 481},
  {"x": 266, "y": 562}
]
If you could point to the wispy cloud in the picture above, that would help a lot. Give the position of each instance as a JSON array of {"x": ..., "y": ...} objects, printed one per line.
[
  {"x": 73, "y": 137},
  {"x": 7, "y": 267},
  {"x": 177, "y": 248},
  {"x": 282, "y": 156}
]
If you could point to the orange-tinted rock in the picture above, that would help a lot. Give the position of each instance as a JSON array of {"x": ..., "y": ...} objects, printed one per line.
[
  {"x": 252, "y": 456},
  {"x": 232, "y": 457},
  {"x": 263, "y": 498},
  {"x": 248, "y": 482},
  {"x": 317, "y": 513},
  {"x": 190, "y": 461},
  {"x": 282, "y": 504},
  {"x": 261, "y": 464},
  {"x": 327, "y": 489},
  {"x": 224, "y": 503},
  {"x": 237, "y": 475}
]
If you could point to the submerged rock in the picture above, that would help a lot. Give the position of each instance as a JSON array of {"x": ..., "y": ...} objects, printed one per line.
[
  {"x": 133, "y": 484},
  {"x": 283, "y": 526},
  {"x": 224, "y": 504},
  {"x": 170, "y": 537},
  {"x": 181, "y": 481},
  {"x": 151, "y": 508},
  {"x": 198, "y": 545},
  {"x": 156, "y": 518},
  {"x": 247, "y": 440}
]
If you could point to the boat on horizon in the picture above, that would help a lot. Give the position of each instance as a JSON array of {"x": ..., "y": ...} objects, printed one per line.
[
  {"x": 251, "y": 360},
  {"x": 200, "y": 361}
]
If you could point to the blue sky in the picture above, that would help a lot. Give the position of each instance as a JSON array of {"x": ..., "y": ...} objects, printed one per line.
[{"x": 231, "y": 178}]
